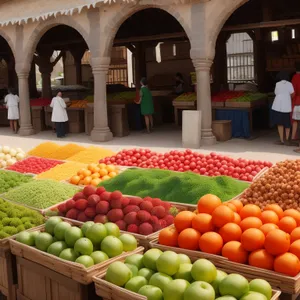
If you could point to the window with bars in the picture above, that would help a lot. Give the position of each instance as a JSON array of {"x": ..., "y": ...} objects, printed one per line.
[
  {"x": 118, "y": 71},
  {"x": 240, "y": 58}
]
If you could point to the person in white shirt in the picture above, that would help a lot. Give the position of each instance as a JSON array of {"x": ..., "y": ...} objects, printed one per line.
[
  {"x": 59, "y": 114},
  {"x": 282, "y": 107},
  {"x": 12, "y": 103}
]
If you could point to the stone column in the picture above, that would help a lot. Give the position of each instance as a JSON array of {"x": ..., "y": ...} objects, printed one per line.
[
  {"x": 46, "y": 70},
  {"x": 77, "y": 54},
  {"x": 203, "y": 66},
  {"x": 25, "y": 114},
  {"x": 101, "y": 131}
]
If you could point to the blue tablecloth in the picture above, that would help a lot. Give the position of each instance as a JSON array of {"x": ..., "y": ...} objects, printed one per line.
[
  {"x": 135, "y": 119},
  {"x": 239, "y": 120}
]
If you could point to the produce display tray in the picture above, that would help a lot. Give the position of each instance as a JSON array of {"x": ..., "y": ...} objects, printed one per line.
[
  {"x": 251, "y": 104},
  {"x": 109, "y": 291},
  {"x": 286, "y": 284},
  {"x": 69, "y": 269},
  {"x": 184, "y": 103},
  {"x": 219, "y": 104}
]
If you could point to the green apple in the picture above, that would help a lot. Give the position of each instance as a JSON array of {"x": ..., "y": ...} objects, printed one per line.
[
  {"x": 199, "y": 290},
  {"x": 184, "y": 259},
  {"x": 147, "y": 273},
  {"x": 184, "y": 272},
  {"x": 118, "y": 273},
  {"x": 261, "y": 286},
  {"x": 204, "y": 270},
  {"x": 234, "y": 285},
  {"x": 136, "y": 260},
  {"x": 151, "y": 292},
  {"x": 150, "y": 258},
  {"x": 215, "y": 284},
  {"x": 134, "y": 284},
  {"x": 160, "y": 280},
  {"x": 226, "y": 298},
  {"x": 133, "y": 269},
  {"x": 168, "y": 263},
  {"x": 175, "y": 289},
  {"x": 253, "y": 296}
]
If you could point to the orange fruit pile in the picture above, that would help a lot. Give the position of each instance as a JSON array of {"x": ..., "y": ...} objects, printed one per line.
[
  {"x": 268, "y": 239},
  {"x": 94, "y": 174}
]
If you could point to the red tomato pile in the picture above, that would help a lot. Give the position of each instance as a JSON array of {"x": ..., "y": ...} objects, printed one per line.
[
  {"x": 182, "y": 161},
  {"x": 223, "y": 96},
  {"x": 40, "y": 102},
  {"x": 34, "y": 165}
]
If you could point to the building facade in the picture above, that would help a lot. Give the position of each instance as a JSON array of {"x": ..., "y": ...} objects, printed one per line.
[{"x": 24, "y": 22}]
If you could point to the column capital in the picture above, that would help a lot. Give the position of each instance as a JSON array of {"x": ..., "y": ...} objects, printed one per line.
[
  {"x": 22, "y": 67},
  {"x": 23, "y": 75},
  {"x": 202, "y": 64},
  {"x": 100, "y": 64}
]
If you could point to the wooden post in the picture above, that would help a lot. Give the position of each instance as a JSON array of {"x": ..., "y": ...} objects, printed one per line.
[
  {"x": 78, "y": 53},
  {"x": 267, "y": 10},
  {"x": 140, "y": 64},
  {"x": 260, "y": 63}
]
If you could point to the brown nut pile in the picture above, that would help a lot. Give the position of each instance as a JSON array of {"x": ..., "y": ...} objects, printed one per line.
[{"x": 280, "y": 185}]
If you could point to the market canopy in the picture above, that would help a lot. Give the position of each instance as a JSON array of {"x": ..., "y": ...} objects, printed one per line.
[{"x": 18, "y": 12}]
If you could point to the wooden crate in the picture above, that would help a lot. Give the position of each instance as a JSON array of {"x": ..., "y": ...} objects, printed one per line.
[
  {"x": 286, "y": 284},
  {"x": 69, "y": 269},
  {"x": 109, "y": 291}
]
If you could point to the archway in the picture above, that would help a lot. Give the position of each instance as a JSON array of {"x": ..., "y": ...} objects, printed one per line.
[{"x": 157, "y": 47}]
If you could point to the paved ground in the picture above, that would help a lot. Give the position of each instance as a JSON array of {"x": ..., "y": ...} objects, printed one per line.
[{"x": 164, "y": 139}]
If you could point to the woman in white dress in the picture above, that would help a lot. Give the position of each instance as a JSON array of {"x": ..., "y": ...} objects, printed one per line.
[
  {"x": 59, "y": 114},
  {"x": 12, "y": 103}
]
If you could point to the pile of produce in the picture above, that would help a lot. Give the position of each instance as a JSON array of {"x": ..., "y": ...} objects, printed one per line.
[
  {"x": 44, "y": 149},
  {"x": 66, "y": 151},
  {"x": 40, "y": 102},
  {"x": 9, "y": 156},
  {"x": 91, "y": 155},
  {"x": 15, "y": 218},
  {"x": 93, "y": 174},
  {"x": 187, "y": 97},
  {"x": 61, "y": 172},
  {"x": 10, "y": 180},
  {"x": 169, "y": 276},
  {"x": 268, "y": 239},
  {"x": 248, "y": 97},
  {"x": 34, "y": 165},
  {"x": 226, "y": 95},
  {"x": 281, "y": 185},
  {"x": 136, "y": 215},
  {"x": 90, "y": 99},
  {"x": 41, "y": 194},
  {"x": 124, "y": 97},
  {"x": 80, "y": 245},
  {"x": 181, "y": 161},
  {"x": 176, "y": 187},
  {"x": 78, "y": 104}
]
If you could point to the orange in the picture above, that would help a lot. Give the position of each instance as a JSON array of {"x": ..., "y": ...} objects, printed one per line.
[
  {"x": 112, "y": 174},
  {"x": 111, "y": 168},
  {"x": 287, "y": 224},
  {"x": 92, "y": 167},
  {"x": 235, "y": 252},
  {"x": 203, "y": 223},
  {"x": 102, "y": 166},
  {"x": 184, "y": 220},
  {"x": 87, "y": 173},
  {"x": 222, "y": 215},
  {"x": 168, "y": 237},
  {"x": 208, "y": 203},
  {"x": 81, "y": 182},
  {"x": 276, "y": 208},
  {"x": 250, "y": 210},
  {"x": 261, "y": 259},
  {"x": 253, "y": 239},
  {"x": 237, "y": 218},
  {"x": 230, "y": 205},
  {"x": 189, "y": 239},
  {"x": 95, "y": 181},
  {"x": 238, "y": 205},
  {"x": 106, "y": 177},
  {"x": 80, "y": 172},
  {"x": 269, "y": 216},
  {"x": 230, "y": 232},
  {"x": 75, "y": 179},
  {"x": 250, "y": 222},
  {"x": 295, "y": 248},
  {"x": 96, "y": 170},
  {"x": 277, "y": 242},
  {"x": 87, "y": 180},
  {"x": 294, "y": 214},
  {"x": 103, "y": 172},
  {"x": 95, "y": 175},
  {"x": 288, "y": 264},
  {"x": 266, "y": 228},
  {"x": 211, "y": 242},
  {"x": 295, "y": 234}
]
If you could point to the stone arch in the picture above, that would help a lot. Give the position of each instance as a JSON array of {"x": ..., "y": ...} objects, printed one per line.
[
  {"x": 9, "y": 41},
  {"x": 224, "y": 12},
  {"x": 121, "y": 16},
  {"x": 43, "y": 27}
]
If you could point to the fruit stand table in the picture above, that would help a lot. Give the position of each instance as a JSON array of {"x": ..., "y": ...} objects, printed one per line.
[
  {"x": 182, "y": 105},
  {"x": 3, "y": 116},
  {"x": 38, "y": 118}
]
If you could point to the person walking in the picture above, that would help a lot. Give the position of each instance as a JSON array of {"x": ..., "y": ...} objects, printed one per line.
[
  {"x": 282, "y": 107},
  {"x": 147, "y": 107},
  {"x": 12, "y": 103},
  {"x": 59, "y": 114}
]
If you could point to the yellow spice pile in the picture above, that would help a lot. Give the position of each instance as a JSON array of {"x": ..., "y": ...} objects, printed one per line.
[
  {"x": 91, "y": 155},
  {"x": 62, "y": 172},
  {"x": 66, "y": 151},
  {"x": 44, "y": 150}
]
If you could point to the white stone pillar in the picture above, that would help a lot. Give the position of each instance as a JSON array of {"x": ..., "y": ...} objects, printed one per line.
[
  {"x": 25, "y": 113},
  {"x": 203, "y": 67},
  {"x": 101, "y": 131}
]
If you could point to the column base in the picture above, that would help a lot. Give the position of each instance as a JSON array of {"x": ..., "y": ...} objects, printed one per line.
[
  {"x": 26, "y": 131},
  {"x": 101, "y": 135},
  {"x": 207, "y": 138}
]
